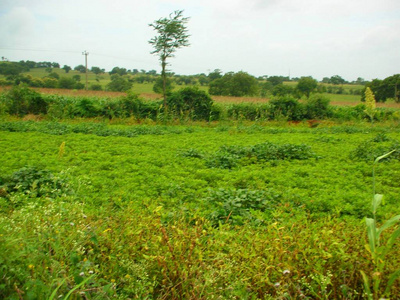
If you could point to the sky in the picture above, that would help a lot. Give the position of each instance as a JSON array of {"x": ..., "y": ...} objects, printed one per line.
[{"x": 318, "y": 38}]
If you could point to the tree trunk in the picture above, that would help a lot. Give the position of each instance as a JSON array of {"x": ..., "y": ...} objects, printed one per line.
[{"x": 164, "y": 79}]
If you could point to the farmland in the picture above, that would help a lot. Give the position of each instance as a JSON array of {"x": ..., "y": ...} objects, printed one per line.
[
  {"x": 107, "y": 195},
  {"x": 232, "y": 210}
]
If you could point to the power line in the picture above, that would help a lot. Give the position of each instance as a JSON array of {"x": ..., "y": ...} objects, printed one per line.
[{"x": 38, "y": 50}]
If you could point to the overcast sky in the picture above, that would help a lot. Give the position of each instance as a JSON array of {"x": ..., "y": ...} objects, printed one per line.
[{"x": 319, "y": 38}]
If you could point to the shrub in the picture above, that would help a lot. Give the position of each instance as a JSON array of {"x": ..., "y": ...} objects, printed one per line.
[
  {"x": 191, "y": 102},
  {"x": 34, "y": 182},
  {"x": 119, "y": 84},
  {"x": 371, "y": 149},
  {"x": 317, "y": 107},
  {"x": 288, "y": 107},
  {"x": 96, "y": 87},
  {"x": 21, "y": 100},
  {"x": 236, "y": 206}
]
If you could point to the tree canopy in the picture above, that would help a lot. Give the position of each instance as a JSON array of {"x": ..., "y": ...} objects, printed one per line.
[{"x": 171, "y": 35}]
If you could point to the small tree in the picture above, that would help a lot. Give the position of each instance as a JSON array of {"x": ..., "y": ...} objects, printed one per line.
[
  {"x": 306, "y": 85},
  {"x": 172, "y": 35}
]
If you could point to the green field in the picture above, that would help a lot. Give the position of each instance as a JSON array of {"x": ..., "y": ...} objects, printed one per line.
[{"x": 223, "y": 211}]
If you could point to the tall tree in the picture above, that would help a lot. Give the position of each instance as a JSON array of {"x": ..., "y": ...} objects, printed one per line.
[{"x": 171, "y": 35}]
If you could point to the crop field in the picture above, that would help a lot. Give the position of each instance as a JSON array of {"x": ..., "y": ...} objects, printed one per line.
[{"x": 208, "y": 211}]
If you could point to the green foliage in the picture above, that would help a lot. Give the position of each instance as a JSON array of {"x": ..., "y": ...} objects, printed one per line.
[
  {"x": 119, "y": 84},
  {"x": 306, "y": 85},
  {"x": 273, "y": 229},
  {"x": 33, "y": 182},
  {"x": 282, "y": 90},
  {"x": 190, "y": 102},
  {"x": 370, "y": 149},
  {"x": 158, "y": 86},
  {"x": 287, "y": 107},
  {"x": 237, "y": 207},
  {"x": 20, "y": 100},
  {"x": 10, "y": 69},
  {"x": 233, "y": 156},
  {"x": 234, "y": 84},
  {"x": 378, "y": 250},
  {"x": 317, "y": 107},
  {"x": 384, "y": 89},
  {"x": 248, "y": 111},
  {"x": 171, "y": 35},
  {"x": 69, "y": 83}
]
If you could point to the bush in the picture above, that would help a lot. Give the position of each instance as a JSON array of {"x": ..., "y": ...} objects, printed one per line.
[
  {"x": 236, "y": 206},
  {"x": 317, "y": 107},
  {"x": 191, "y": 102},
  {"x": 288, "y": 107},
  {"x": 34, "y": 182},
  {"x": 96, "y": 87},
  {"x": 119, "y": 84},
  {"x": 21, "y": 100}
]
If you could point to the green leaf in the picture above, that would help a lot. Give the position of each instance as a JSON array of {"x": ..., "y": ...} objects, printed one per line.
[
  {"x": 391, "y": 280},
  {"x": 376, "y": 202},
  {"x": 389, "y": 223},
  {"x": 393, "y": 237},
  {"x": 371, "y": 230},
  {"x": 78, "y": 286},
  {"x": 383, "y": 156},
  {"x": 366, "y": 285},
  {"x": 54, "y": 293}
]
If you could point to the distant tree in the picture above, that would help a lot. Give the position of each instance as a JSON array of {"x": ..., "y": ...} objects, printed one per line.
[
  {"x": 119, "y": 71},
  {"x": 48, "y": 70},
  {"x": 306, "y": 85},
  {"x": 76, "y": 77},
  {"x": 217, "y": 73},
  {"x": 55, "y": 65},
  {"x": 384, "y": 89},
  {"x": 171, "y": 35},
  {"x": 135, "y": 71},
  {"x": 360, "y": 81},
  {"x": 66, "y": 68},
  {"x": 151, "y": 72},
  {"x": 66, "y": 83},
  {"x": 96, "y": 70},
  {"x": 282, "y": 90},
  {"x": 235, "y": 84},
  {"x": 275, "y": 80},
  {"x": 54, "y": 75},
  {"x": 119, "y": 84},
  {"x": 80, "y": 68},
  {"x": 336, "y": 79},
  {"x": 10, "y": 69},
  {"x": 203, "y": 80},
  {"x": 158, "y": 86}
]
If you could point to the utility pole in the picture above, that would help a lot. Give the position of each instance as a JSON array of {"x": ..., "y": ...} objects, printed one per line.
[{"x": 86, "y": 54}]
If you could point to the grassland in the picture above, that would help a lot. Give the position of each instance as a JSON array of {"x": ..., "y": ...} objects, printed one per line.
[{"x": 179, "y": 212}]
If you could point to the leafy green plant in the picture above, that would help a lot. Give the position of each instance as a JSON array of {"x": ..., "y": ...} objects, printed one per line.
[
  {"x": 191, "y": 102},
  {"x": 34, "y": 182},
  {"x": 236, "y": 206},
  {"x": 379, "y": 249}
]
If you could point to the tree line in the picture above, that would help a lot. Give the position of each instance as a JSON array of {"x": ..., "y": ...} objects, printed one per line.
[{"x": 237, "y": 84}]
